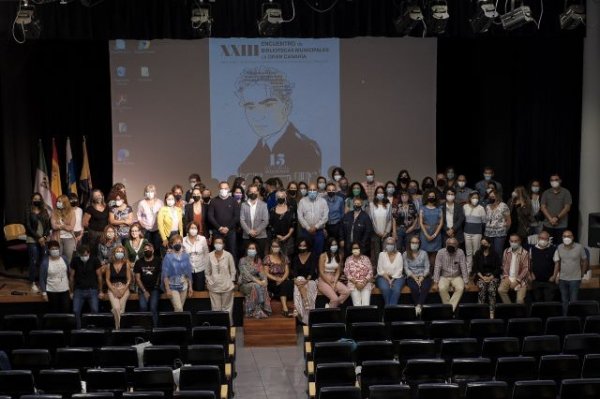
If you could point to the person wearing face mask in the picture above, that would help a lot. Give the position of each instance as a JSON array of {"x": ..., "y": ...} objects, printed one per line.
[
  {"x": 357, "y": 227},
  {"x": 194, "y": 180},
  {"x": 515, "y": 271},
  {"x": 121, "y": 216},
  {"x": 196, "y": 212},
  {"x": 335, "y": 203},
  {"x": 370, "y": 184},
  {"x": 427, "y": 184},
  {"x": 273, "y": 184},
  {"x": 134, "y": 244},
  {"x": 451, "y": 271},
  {"x": 488, "y": 176},
  {"x": 520, "y": 213},
  {"x": 415, "y": 193},
  {"x": 542, "y": 269},
  {"x": 147, "y": 271},
  {"x": 63, "y": 226},
  {"x": 78, "y": 229},
  {"x": 177, "y": 274},
  {"x": 282, "y": 222},
  {"x": 431, "y": 221},
  {"x": 359, "y": 272},
  {"x": 454, "y": 218},
  {"x": 180, "y": 201},
  {"x": 380, "y": 213},
  {"x": 403, "y": 180},
  {"x": 169, "y": 221},
  {"x": 107, "y": 243},
  {"x": 118, "y": 279},
  {"x": 390, "y": 191},
  {"x": 37, "y": 229},
  {"x": 440, "y": 186},
  {"x": 220, "y": 277},
  {"x": 555, "y": 205},
  {"x": 537, "y": 216},
  {"x": 195, "y": 245},
  {"x": 450, "y": 177},
  {"x": 390, "y": 279},
  {"x": 487, "y": 269},
  {"x": 95, "y": 219},
  {"x": 343, "y": 185},
  {"x": 302, "y": 190},
  {"x": 253, "y": 284},
  {"x": 147, "y": 212},
  {"x": 497, "y": 221},
  {"x": 330, "y": 272},
  {"x": 313, "y": 214},
  {"x": 83, "y": 282},
  {"x": 418, "y": 275},
  {"x": 406, "y": 217},
  {"x": 474, "y": 225},
  {"x": 276, "y": 267},
  {"x": 54, "y": 279},
  {"x": 254, "y": 219},
  {"x": 356, "y": 191},
  {"x": 462, "y": 191},
  {"x": 292, "y": 195},
  {"x": 337, "y": 174},
  {"x": 223, "y": 217},
  {"x": 304, "y": 274},
  {"x": 322, "y": 186},
  {"x": 571, "y": 264},
  {"x": 239, "y": 195},
  {"x": 206, "y": 197}
]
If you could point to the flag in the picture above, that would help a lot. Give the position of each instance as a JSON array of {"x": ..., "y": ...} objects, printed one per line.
[
  {"x": 85, "y": 180},
  {"x": 42, "y": 183},
  {"x": 71, "y": 178},
  {"x": 55, "y": 185}
]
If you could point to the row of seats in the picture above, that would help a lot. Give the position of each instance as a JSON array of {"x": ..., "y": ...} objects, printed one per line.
[
  {"x": 67, "y": 382},
  {"x": 441, "y": 329},
  {"x": 84, "y": 359},
  {"x": 68, "y": 322},
  {"x": 538, "y": 389},
  {"x": 125, "y": 395},
  {"x": 95, "y": 338}
]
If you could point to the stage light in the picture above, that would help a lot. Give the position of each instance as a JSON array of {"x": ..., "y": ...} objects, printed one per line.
[
  {"x": 517, "y": 17},
  {"x": 572, "y": 17},
  {"x": 26, "y": 25},
  {"x": 201, "y": 19},
  {"x": 271, "y": 20},
  {"x": 438, "y": 16},
  {"x": 409, "y": 19},
  {"x": 484, "y": 15}
]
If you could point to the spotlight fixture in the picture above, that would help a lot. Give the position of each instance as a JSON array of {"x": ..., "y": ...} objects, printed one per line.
[
  {"x": 484, "y": 15},
  {"x": 438, "y": 16},
  {"x": 271, "y": 20},
  {"x": 26, "y": 25},
  {"x": 409, "y": 19},
  {"x": 516, "y": 17},
  {"x": 201, "y": 19},
  {"x": 572, "y": 17}
]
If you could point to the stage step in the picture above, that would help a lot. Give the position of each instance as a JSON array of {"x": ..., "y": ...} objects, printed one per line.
[{"x": 273, "y": 331}]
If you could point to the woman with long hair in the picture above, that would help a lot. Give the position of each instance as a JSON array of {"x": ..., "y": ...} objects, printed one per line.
[{"x": 63, "y": 226}]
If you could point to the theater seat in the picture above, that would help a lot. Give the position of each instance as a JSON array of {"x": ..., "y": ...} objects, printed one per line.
[
  {"x": 117, "y": 356},
  {"x": 92, "y": 338},
  {"x": 194, "y": 395},
  {"x": 59, "y": 321},
  {"x": 496, "y": 347},
  {"x": 522, "y": 327},
  {"x": 154, "y": 379},
  {"x": 562, "y": 325},
  {"x": 75, "y": 358},
  {"x": 46, "y": 339},
  {"x": 368, "y": 331},
  {"x": 361, "y": 314},
  {"x": 440, "y": 329},
  {"x": 470, "y": 311},
  {"x": 169, "y": 336},
  {"x": 420, "y": 371},
  {"x": 210, "y": 355},
  {"x": 438, "y": 390},
  {"x": 507, "y": 311},
  {"x": 20, "y": 322},
  {"x": 389, "y": 392},
  {"x": 112, "y": 380},
  {"x": 581, "y": 344},
  {"x": 202, "y": 378},
  {"x": 326, "y": 332},
  {"x": 374, "y": 350},
  {"x": 161, "y": 355},
  {"x": 585, "y": 388},
  {"x": 558, "y": 367},
  {"x": 592, "y": 325},
  {"x": 466, "y": 370},
  {"x": 511, "y": 369},
  {"x": 30, "y": 359},
  {"x": 103, "y": 321},
  {"x": 10, "y": 340},
  {"x": 216, "y": 318},
  {"x": 486, "y": 328},
  {"x": 329, "y": 352},
  {"x": 176, "y": 319},
  {"x": 415, "y": 349},
  {"x": 64, "y": 382},
  {"x": 15, "y": 383},
  {"x": 459, "y": 347},
  {"x": 544, "y": 310},
  {"x": 340, "y": 393},
  {"x": 128, "y": 336},
  {"x": 395, "y": 313},
  {"x": 591, "y": 366},
  {"x": 437, "y": 311},
  {"x": 137, "y": 320},
  {"x": 539, "y": 345},
  {"x": 487, "y": 390},
  {"x": 400, "y": 330},
  {"x": 583, "y": 309},
  {"x": 379, "y": 372},
  {"x": 540, "y": 389},
  {"x": 332, "y": 375}
]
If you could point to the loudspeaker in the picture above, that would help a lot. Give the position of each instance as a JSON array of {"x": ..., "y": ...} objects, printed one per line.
[{"x": 594, "y": 230}]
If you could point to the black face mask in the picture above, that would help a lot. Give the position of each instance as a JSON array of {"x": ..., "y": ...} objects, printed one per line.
[
  {"x": 196, "y": 198},
  {"x": 491, "y": 200},
  {"x": 37, "y": 204},
  {"x": 206, "y": 199},
  {"x": 292, "y": 192},
  {"x": 73, "y": 203},
  {"x": 441, "y": 183},
  {"x": 177, "y": 247},
  {"x": 253, "y": 196},
  {"x": 148, "y": 254},
  {"x": 431, "y": 200},
  {"x": 331, "y": 194},
  {"x": 427, "y": 186},
  {"x": 404, "y": 180},
  {"x": 451, "y": 249},
  {"x": 177, "y": 197},
  {"x": 357, "y": 207},
  {"x": 281, "y": 201},
  {"x": 302, "y": 250}
]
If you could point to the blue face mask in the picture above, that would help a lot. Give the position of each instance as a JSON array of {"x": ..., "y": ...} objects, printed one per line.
[
  {"x": 380, "y": 196},
  {"x": 312, "y": 195},
  {"x": 252, "y": 253}
]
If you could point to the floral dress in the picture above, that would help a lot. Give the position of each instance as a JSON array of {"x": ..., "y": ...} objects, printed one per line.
[{"x": 257, "y": 302}]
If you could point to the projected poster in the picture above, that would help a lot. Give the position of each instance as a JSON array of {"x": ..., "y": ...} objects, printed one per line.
[{"x": 274, "y": 107}]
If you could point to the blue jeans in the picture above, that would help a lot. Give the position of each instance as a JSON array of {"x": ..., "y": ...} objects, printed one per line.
[
  {"x": 568, "y": 292},
  {"x": 33, "y": 254},
  {"x": 317, "y": 240},
  {"x": 391, "y": 295},
  {"x": 419, "y": 294},
  {"x": 80, "y": 296},
  {"x": 152, "y": 302},
  {"x": 498, "y": 244}
]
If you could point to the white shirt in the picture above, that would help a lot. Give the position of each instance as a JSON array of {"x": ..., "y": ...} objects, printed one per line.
[
  {"x": 512, "y": 273},
  {"x": 78, "y": 219},
  {"x": 331, "y": 267},
  {"x": 146, "y": 215},
  {"x": 380, "y": 218},
  {"x": 198, "y": 252},
  {"x": 384, "y": 266},
  {"x": 57, "y": 280},
  {"x": 175, "y": 218},
  {"x": 450, "y": 215},
  {"x": 252, "y": 212}
]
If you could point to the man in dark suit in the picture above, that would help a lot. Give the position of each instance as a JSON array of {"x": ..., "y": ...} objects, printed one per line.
[
  {"x": 281, "y": 150},
  {"x": 453, "y": 228}
]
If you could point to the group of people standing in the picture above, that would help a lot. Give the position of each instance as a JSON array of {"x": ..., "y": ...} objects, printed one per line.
[{"x": 279, "y": 242}]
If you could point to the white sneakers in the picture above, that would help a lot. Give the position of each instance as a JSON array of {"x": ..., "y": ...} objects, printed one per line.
[
  {"x": 34, "y": 288},
  {"x": 418, "y": 309}
]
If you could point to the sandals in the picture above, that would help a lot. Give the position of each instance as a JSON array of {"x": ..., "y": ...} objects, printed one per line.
[{"x": 287, "y": 313}]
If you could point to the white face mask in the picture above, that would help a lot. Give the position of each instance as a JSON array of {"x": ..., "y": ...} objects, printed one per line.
[
  {"x": 110, "y": 235},
  {"x": 84, "y": 258},
  {"x": 542, "y": 243},
  {"x": 513, "y": 194},
  {"x": 474, "y": 201},
  {"x": 370, "y": 178},
  {"x": 450, "y": 198},
  {"x": 170, "y": 202},
  {"x": 555, "y": 184},
  {"x": 356, "y": 252},
  {"x": 461, "y": 184},
  {"x": 514, "y": 246},
  {"x": 223, "y": 193},
  {"x": 535, "y": 189},
  {"x": 337, "y": 177},
  {"x": 59, "y": 205},
  {"x": 54, "y": 253},
  {"x": 193, "y": 232},
  {"x": 414, "y": 246},
  {"x": 275, "y": 250},
  {"x": 118, "y": 203},
  {"x": 333, "y": 249},
  {"x": 193, "y": 184},
  {"x": 150, "y": 194},
  {"x": 390, "y": 247},
  {"x": 567, "y": 240},
  {"x": 218, "y": 247}
]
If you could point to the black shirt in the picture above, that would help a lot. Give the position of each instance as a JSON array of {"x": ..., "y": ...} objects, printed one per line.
[
  {"x": 542, "y": 263},
  {"x": 281, "y": 223},
  {"x": 98, "y": 220},
  {"x": 85, "y": 273},
  {"x": 309, "y": 268},
  {"x": 487, "y": 265},
  {"x": 223, "y": 213},
  {"x": 149, "y": 272}
]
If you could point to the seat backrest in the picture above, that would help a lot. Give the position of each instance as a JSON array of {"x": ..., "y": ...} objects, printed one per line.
[
  {"x": 374, "y": 350},
  {"x": 153, "y": 379},
  {"x": 543, "y": 310},
  {"x": 538, "y": 345},
  {"x": 540, "y": 389},
  {"x": 64, "y": 381},
  {"x": 389, "y": 391},
  {"x": 398, "y": 313},
  {"x": 379, "y": 372},
  {"x": 94, "y": 395},
  {"x": 169, "y": 336},
  {"x": 485, "y": 328},
  {"x": 30, "y": 359},
  {"x": 206, "y": 355},
  {"x": 61, "y": 321},
  {"x": 558, "y": 367},
  {"x": 581, "y": 344},
  {"x": 79, "y": 358},
  {"x": 212, "y": 318},
  {"x": 469, "y": 311},
  {"x": 408, "y": 330},
  {"x": 510, "y": 311},
  {"x": 585, "y": 388},
  {"x": 161, "y": 355},
  {"x": 175, "y": 319},
  {"x": 327, "y": 332},
  {"x": 332, "y": 352},
  {"x": 207, "y": 335},
  {"x": 416, "y": 348},
  {"x": 137, "y": 320},
  {"x": 334, "y": 374},
  {"x": 592, "y": 325},
  {"x": 582, "y": 309},
  {"x": 426, "y": 370},
  {"x": 562, "y": 325},
  {"x": 50, "y": 339},
  {"x": 479, "y": 368},
  {"x": 117, "y": 356},
  {"x": 104, "y": 321},
  {"x": 440, "y": 329},
  {"x": 20, "y": 322},
  {"x": 106, "y": 380},
  {"x": 15, "y": 231},
  {"x": 325, "y": 315},
  {"x": 340, "y": 393},
  {"x": 438, "y": 390},
  {"x": 10, "y": 340},
  {"x": 460, "y": 347},
  {"x": 512, "y": 369},
  {"x": 128, "y": 336},
  {"x": 437, "y": 311},
  {"x": 205, "y": 378},
  {"x": 361, "y": 314},
  {"x": 16, "y": 382},
  {"x": 591, "y": 366},
  {"x": 521, "y": 327},
  {"x": 487, "y": 390},
  {"x": 368, "y": 331},
  {"x": 495, "y": 347},
  {"x": 95, "y": 338}
]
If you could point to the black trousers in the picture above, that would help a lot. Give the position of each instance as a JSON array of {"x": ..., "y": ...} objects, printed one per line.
[{"x": 58, "y": 302}]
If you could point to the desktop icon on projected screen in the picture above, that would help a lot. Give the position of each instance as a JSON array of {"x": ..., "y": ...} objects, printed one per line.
[
  {"x": 122, "y": 127},
  {"x": 143, "y": 45},
  {"x": 121, "y": 71},
  {"x": 121, "y": 100},
  {"x": 122, "y": 155},
  {"x": 145, "y": 72},
  {"x": 119, "y": 44}
]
